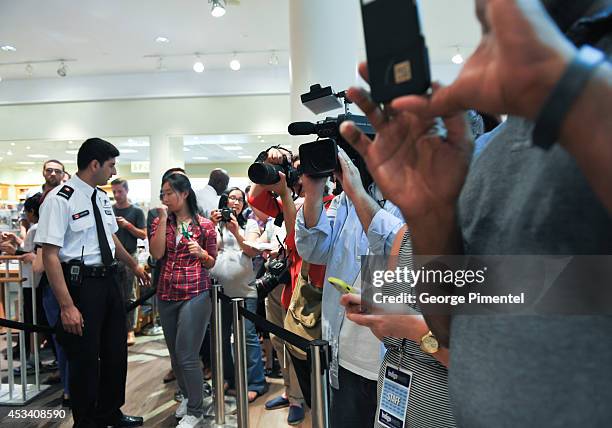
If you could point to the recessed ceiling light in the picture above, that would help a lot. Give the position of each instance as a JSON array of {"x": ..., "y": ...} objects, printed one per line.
[
  {"x": 29, "y": 169},
  {"x": 8, "y": 48},
  {"x": 37, "y": 156},
  {"x": 124, "y": 151},
  {"x": 28, "y": 147},
  {"x": 245, "y": 157},
  {"x": 72, "y": 152},
  {"x": 68, "y": 161},
  {"x": 200, "y": 158},
  {"x": 186, "y": 149},
  {"x": 26, "y": 163},
  {"x": 457, "y": 59},
  {"x": 9, "y": 153},
  {"x": 162, "y": 39},
  {"x": 231, "y": 148},
  {"x": 70, "y": 142},
  {"x": 12, "y": 144}
]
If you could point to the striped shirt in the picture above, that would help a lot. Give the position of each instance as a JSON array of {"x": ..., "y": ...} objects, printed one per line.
[{"x": 428, "y": 405}]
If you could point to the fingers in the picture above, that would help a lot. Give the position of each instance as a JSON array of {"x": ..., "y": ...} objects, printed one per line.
[
  {"x": 449, "y": 100},
  {"x": 363, "y": 71},
  {"x": 371, "y": 109},
  {"x": 355, "y": 137}
]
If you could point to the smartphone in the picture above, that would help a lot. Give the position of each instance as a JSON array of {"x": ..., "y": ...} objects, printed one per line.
[
  {"x": 398, "y": 60},
  {"x": 342, "y": 286}
]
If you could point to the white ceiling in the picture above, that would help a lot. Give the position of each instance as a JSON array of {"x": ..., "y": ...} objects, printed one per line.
[
  {"x": 197, "y": 149},
  {"x": 116, "y": 36}
]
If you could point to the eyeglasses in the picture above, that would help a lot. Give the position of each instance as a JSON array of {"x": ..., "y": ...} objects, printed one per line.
[
  {"x": 53, "y": 170},
  {"x": 235, "y": 199}
]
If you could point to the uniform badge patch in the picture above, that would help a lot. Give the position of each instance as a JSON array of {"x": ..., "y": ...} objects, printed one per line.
[
  {"x": 79, "y": 215},
  {"x": 66, "y": 192}
]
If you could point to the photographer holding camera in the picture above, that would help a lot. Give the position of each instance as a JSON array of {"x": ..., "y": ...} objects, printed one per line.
[
  {"x": 234, "y": 271},
  {"x": 275, "y": 199},
  {"x": 361, "y": 222}
]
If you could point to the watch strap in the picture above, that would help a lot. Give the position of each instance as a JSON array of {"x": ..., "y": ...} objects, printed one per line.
[{"x": 574, "y": 79}]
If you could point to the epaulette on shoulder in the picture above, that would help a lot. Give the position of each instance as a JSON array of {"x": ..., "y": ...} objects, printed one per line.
[
  {"x": 66, "y": 192},
  {"x": 101, "y": 190}
]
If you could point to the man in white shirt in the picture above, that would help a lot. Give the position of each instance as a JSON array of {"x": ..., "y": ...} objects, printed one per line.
[{"x": 208, "y": 196}]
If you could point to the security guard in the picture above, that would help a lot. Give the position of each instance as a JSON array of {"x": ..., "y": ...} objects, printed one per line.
[{"x": 76, "y": 230}]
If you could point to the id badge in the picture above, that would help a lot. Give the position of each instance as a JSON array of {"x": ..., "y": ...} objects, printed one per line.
[{"x": 394, "y": 399}]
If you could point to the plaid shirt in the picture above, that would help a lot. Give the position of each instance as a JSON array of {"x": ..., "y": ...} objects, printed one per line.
[{"x": 182, "y": 275}]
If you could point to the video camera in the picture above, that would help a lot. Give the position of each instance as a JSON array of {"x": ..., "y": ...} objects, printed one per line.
[{"x": 320, "y": 158}]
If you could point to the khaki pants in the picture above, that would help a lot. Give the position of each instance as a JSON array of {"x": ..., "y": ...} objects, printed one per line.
[{"x": 275, "y": 313}]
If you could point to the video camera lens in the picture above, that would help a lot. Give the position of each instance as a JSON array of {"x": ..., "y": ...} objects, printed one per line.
[{"x": 265, "y": 173}]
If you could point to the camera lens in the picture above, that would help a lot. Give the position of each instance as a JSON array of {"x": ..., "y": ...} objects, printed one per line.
[{"x": 264, "y": 173}]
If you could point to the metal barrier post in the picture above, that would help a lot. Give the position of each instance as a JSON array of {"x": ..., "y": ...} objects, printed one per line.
[
  {"x": 23, "y": 369},
  {"x": 217, "y": 345},
  {"x": 242, "y": 398},
  {"x": 319, "y": 383},
  {"x": 35, "y": 340}
]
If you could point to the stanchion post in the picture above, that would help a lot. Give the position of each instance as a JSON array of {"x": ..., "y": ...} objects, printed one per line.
[
  {"x": 242, "y": 398},
  {"x": 35, "y": 339},
  {"x": 22, "y": 346},
  {"x": 217, "y": 342},
  {"x": 319, "y": 401}
]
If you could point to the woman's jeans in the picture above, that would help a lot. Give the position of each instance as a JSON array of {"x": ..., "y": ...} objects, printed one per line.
[
  {"x": 255, "y": 367},
  {"x": 184, "y": 323}
]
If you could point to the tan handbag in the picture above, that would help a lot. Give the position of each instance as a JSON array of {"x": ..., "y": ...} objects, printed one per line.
[{"x": 304, "y": 314}]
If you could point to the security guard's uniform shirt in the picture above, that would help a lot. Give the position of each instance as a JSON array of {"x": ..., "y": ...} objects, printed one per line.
[{"x": 67, "y": 220}]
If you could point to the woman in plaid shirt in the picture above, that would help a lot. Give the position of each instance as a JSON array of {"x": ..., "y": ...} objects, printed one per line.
[{"x": 186, "y": 245}]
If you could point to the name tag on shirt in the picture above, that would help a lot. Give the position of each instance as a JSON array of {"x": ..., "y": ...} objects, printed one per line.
[
  {"x": 80, "y": 215},
  {"x": 394, "y": 399}
]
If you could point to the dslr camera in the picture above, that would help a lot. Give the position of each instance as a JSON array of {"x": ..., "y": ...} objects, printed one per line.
[
  {"x": 226, "y": 214},
  {"x": 276, "y": 272},
  {"x": 320, "y": 158},
  {"x": 261, "y": 172}
]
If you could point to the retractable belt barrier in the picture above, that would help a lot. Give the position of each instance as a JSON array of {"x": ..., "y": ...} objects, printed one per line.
[
  {"x": 34, "y": 328},
  {"x": 267, "y": 326},
  {"x": 317, "y": 352}
]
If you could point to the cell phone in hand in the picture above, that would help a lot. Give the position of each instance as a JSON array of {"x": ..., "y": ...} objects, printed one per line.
[
  {"x": 398, "y": 61},
  {"x": 341, "y": 286}
]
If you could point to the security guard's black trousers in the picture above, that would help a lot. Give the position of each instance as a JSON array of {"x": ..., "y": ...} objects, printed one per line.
[{"x": 98, "y": 360}]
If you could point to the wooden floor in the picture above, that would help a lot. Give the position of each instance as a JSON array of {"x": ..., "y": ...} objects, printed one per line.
[{"x": 147, "y": 396}]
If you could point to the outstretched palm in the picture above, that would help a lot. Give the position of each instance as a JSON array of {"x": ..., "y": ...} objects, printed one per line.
[{"x": 415, "y": 168}]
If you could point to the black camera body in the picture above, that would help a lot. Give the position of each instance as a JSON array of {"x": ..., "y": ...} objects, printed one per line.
[
  {"x": 261, "y": 172},
  {"x": 226, "y": 214},
  {"x": 320, "y": 158},
  {"x": 277, "y": 272}
]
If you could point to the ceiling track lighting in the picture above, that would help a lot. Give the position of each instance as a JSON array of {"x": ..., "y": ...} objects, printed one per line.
[
  {"x": 198, "y": 66},
  {"x": 217, "y": 8},
  {"x": 457, "y": 58},
  {"x": 62, "y": 71},
  {"x": 273, "y": 59},
  {"x": 234, "y": 63}
]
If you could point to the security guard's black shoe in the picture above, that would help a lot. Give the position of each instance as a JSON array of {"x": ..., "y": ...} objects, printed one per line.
[{"x": 128, "y": 421}]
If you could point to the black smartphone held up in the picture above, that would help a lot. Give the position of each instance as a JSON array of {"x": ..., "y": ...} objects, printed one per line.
[{"x": 398, "y": 61}]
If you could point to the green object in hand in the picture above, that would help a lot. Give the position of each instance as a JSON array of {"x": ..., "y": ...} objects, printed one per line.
[{"x": 185, "y": 232}]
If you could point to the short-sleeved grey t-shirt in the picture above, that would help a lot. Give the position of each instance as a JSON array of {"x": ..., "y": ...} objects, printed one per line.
[
  {"x": 530, "y": 371},
  {"x": 135, "y": 216}
]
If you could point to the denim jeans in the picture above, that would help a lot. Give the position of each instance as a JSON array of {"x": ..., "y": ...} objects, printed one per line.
[
  {"x": 255, "y": 367},
  {"x": 52, "y": 310}
]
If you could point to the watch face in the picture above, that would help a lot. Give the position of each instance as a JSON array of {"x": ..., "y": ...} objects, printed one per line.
[{"x": 429, "y": 344}]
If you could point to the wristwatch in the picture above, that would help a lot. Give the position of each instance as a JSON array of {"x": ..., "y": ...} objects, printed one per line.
[{"x": 429, "y": 343}]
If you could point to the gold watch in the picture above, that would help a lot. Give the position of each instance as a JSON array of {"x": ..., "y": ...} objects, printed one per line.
[{"x": 429, "y": 344}]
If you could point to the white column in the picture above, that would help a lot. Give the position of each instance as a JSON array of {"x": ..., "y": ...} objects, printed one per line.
[
  {"x": 326, "y": 46},
  {"x": 164, "y": 153}
]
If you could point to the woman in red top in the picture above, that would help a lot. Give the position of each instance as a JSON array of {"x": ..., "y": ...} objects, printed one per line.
[{"x": 186, "y": 244}]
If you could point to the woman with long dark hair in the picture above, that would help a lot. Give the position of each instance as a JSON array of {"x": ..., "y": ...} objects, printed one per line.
[
  {"x": 185, "y": 243},
  {"x": 234, "y": 271}
]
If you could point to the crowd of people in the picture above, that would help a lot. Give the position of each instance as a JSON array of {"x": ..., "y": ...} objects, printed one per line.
[{"x": 439, "y": 178}]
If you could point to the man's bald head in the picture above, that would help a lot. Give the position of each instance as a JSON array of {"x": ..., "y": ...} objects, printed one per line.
[{"x": 218, "y": 179}]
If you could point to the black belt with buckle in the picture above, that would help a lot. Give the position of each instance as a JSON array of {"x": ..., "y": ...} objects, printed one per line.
[{"x": 101, "y": 271}]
